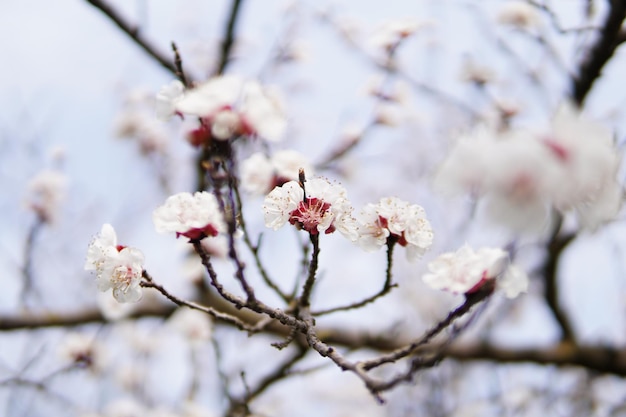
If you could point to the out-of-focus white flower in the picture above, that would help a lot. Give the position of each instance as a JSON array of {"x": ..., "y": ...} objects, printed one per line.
[
  {"x": 476, "y": 73},
  {"x": 589, "y": 161},
  {"x": 82, "y": 350},
  {"x": 192, "y": 409},
  {"x": 166, "y": 99},
  {"x": 391, "y": 33},
  {"x": 46, "y": 192},
  {"x": 523, "y": 176},
  {"x": 117, "y": 267},
  {"x": 519, "y": 14},
  {"x": 194, "y": 216},
  {"x": 111, "y": 309},
  {"x": 131, "y": 376},
  {"x": 125, "y": 407},
  {"x": 466, "y": 271},
  {"x": 326, "y": 208},
  {"x": 260, "y": 174},
  {"x": 194, "y": 325},
  {"x": 405, "y": 222},
  {"x": 138, "y": 125},
  {"x": 231, "y": 107}
]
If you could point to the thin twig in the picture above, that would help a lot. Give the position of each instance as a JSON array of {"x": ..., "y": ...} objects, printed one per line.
[
  {"x": 387, "y": 286},
  {"x": 134, "y": 33},
  {"x": 148, "y": 283}
]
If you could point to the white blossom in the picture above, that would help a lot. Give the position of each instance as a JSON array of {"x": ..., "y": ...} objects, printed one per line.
[
  {"x": 194, "y": 216},
  {"x": 519, "y": 14},
  {"x": 589, "y": 160},
  {"x": 326, "y": 208},
  {"x": 466, "y": 271},
  {"x": 47, "y": 190},
  {"x": 405, "y": 222},
  {"x": 194, "y": 325},
  {"x": 167, "y": 98},
  {"x": 81, "y": 350},
  {"x": 230, "y": 107},
  {"x": 391, "y": 33},
  {"x": 523, "y": 176},
  {"x": 260, "y": 174},
  {"x": 117, "y": 267}
]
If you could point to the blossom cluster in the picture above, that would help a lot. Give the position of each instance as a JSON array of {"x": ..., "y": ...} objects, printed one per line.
[
  {"x": 466, "y": 271},
  {"x": 393, "y": 218},
  {"x": 117, "y": 267},
  {"x": 227, "y": 106},
  {"x": 322, "y": 206},
  {"x": 523, "y": 176}
]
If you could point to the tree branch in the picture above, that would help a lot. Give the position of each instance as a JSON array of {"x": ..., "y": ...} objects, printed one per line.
[
  {"x": 600, "y": 53},
  {"x": 133, "y": 33}
]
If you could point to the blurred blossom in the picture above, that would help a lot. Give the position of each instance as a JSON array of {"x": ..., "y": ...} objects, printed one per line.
[
  {"x": 194, "y": 325},
  {"x": 519, "y": 14},
  {"x": 194, "y": 216},
  {"x": 325, "y": 208},
  {"x": 477, "y": 73},
  {"x": 260, "y": 174},
  {"x": 523, "y": 176},
  {"x": 138, "y": 125},
  {"x": 111, "y": 309},
  {"x": 82, "y": 350},
  {"x": 389, "y": 34},
  {"x": 131, "y": 376},
  {"x": 404, "y": 222},
  {"x": 117, "y": 267},
  {"x": 230, "y": 107},
  {"x": 125, "y": 407},
  {"x": 46, "y": 192},
  {"x": 466, "y": 271},
  {"x": 166, "y": 99}
]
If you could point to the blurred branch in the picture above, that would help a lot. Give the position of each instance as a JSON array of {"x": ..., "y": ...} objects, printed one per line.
[
  {"x": 594, "y": 358},
  {"x": 229, "y": 37},
  {"x": 133, "y": 32},
  {"x": 611, "y": 36}
]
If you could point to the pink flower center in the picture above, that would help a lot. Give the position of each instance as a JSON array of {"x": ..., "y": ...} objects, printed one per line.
[
  {"x": 199, "y": 233},
  {"x": 310, "y": 214},
  {"x": 557, "y": 149}
]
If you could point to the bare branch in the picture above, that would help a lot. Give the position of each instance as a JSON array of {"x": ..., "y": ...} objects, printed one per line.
[
  {"x": 134, "y": 34},
  {"x": 600, "y": 53}
]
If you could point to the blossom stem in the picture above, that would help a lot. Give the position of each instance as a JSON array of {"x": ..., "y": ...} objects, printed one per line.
[
  {"x": 310, "y": 281},
  {"x": 386, "y": 287},
  {"x": 470, "y": 300}
]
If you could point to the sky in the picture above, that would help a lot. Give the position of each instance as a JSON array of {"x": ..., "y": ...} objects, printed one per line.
[{"x": 67, "y": 72}]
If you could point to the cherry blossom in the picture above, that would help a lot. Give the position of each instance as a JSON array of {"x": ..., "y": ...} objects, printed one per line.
[
  {"x": 260, "y": 174},
  {"x": 194, "y": 216},
  {"x": 229, "y": 107},
  {"x": 466, "y": 271},
  {"x": 392, "y": 32},
  {"x": 167, "y": 98},
  {"x": 117, "y": 267},
  {"x": 321, "y": 206},
  {"x": 47, "y": 190},
  {"x": 391, "y": 217},
  {"x": 82, "y": 350},
  {"x": 524, "y": 176},
  {"x": 519, "y": 14}
]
